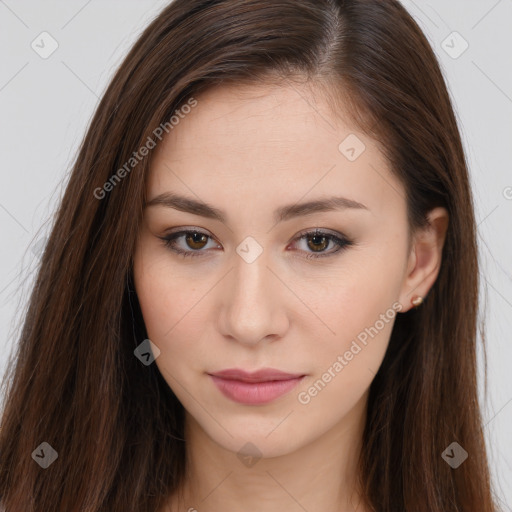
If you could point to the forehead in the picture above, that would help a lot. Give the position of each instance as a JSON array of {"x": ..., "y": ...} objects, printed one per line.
[
  {"x": 270, "y": 141},
  {"x": 270, "y": 115}
]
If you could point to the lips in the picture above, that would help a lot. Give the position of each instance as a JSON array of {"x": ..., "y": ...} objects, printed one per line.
[
  {"x": 263, "y": 375},
  {"x": 259, "y": 387}
]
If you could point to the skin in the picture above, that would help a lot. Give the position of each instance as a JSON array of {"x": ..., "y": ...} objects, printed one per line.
[{"x": 248, "y": 150}]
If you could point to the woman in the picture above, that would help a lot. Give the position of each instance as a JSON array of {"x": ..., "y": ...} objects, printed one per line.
[{"x": 261, "y": 288}]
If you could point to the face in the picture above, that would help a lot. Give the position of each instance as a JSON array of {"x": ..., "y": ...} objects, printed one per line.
[{"x": 268, "y": 284}]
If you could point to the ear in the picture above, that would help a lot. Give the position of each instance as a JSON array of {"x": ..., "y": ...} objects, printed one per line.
[{"x": 425, "y": 258}]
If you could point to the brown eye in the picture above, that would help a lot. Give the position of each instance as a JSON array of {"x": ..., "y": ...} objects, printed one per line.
[
  {"x": 192, "y": 244},
  {"x": 319, "y": 242},
  {"x": 196, "y": 240}
]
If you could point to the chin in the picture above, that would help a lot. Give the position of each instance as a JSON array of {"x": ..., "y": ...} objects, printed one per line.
[{"x": 261, "y": 439}]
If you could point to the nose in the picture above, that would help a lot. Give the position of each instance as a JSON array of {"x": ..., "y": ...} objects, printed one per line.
[{"x": 252, "y": 302}]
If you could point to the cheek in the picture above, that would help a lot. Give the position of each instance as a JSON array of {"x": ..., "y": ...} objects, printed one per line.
[
  {"x": 356, "y": 347},
  {"x": 171, "y": 307},
  {"x": 358, "y": 310},
  {"x": 164, "y": 295},
  {"x": 345, "y": 363},
  {"x": 354, "y": 297}
]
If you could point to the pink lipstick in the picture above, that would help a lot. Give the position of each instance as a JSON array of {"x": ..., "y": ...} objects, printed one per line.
[{"x": 254, "y": 388}]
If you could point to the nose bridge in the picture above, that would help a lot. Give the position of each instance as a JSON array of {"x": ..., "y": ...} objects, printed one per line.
[
  {"x": 251, "y": 272},
  {"x": 250, "y": 310},
  {"x": 251, "y": 277}
]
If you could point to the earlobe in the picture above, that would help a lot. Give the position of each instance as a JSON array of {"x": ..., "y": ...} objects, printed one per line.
[{"x": 425, "y": 259}]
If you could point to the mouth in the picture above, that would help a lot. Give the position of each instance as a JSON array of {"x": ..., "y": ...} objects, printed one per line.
[{"x": 253, "y": 388}]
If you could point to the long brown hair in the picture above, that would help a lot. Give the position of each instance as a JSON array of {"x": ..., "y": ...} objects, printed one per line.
[{"x": 115, "y": 424}]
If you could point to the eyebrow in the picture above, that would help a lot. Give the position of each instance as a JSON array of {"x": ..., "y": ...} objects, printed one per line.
[{"x": 283, "y": 213}]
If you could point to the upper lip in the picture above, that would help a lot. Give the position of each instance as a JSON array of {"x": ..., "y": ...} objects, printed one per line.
[{"x": 263, "y": 375}]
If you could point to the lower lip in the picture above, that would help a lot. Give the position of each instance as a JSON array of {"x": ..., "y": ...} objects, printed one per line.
[{"x": 254, "y": 392}]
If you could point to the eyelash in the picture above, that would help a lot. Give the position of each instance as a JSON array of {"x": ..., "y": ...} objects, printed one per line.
[{"x": 341, "y": 241}]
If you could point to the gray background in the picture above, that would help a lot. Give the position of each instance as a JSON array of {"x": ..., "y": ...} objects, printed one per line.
[{"x": 46, "y": 104}]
